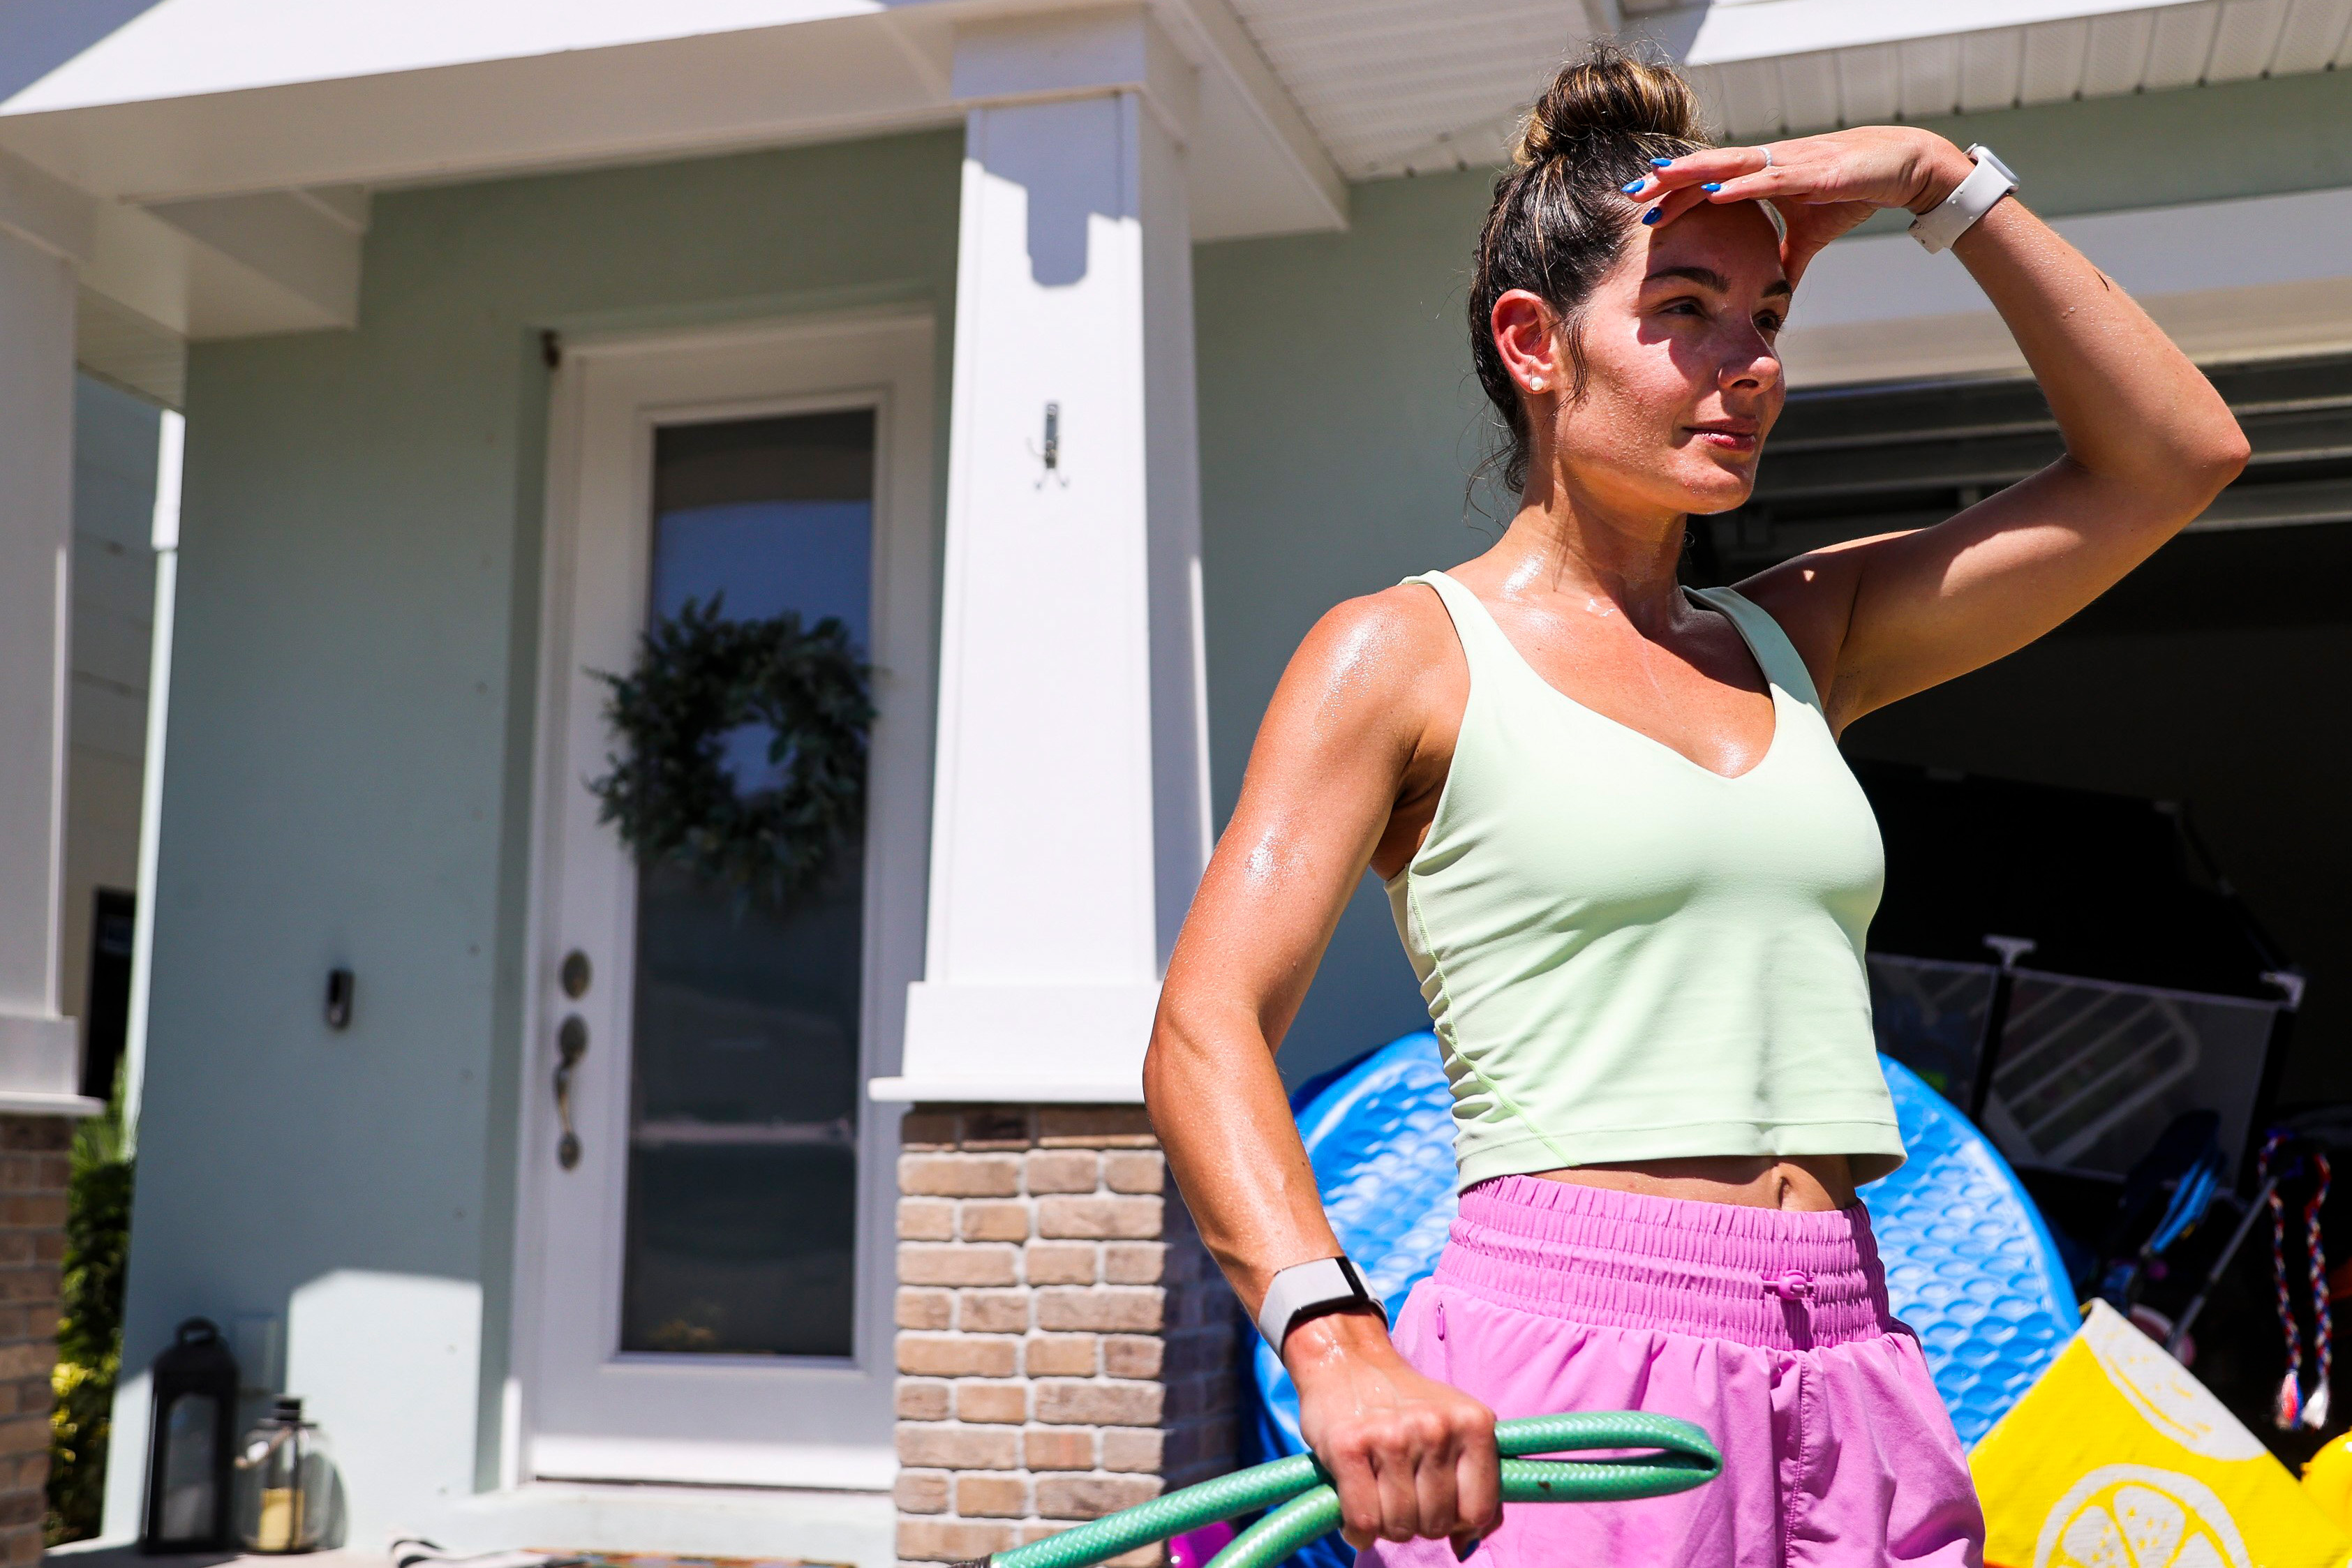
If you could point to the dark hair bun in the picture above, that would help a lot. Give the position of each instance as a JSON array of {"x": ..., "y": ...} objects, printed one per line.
[
  {"x": 1607, "y": 93},
  {"x": 1560, "y": 218}
]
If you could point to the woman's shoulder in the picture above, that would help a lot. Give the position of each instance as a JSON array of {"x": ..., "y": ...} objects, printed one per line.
[
  {"x": 1408, "y": 609},
  {"x": 1390, "y": 650},
  {"x": 1406, "y": 626}
]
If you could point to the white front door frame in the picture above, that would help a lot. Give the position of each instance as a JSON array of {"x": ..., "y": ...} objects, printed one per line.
[{"x": 577, "y": 1409}]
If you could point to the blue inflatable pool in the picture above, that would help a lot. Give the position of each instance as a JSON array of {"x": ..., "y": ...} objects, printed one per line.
[{"x": 1969, "y": 1264}]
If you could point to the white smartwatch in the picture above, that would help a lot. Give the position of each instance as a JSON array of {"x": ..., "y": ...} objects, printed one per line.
[
  {"x": 1307, "y": 1291},
  {"x": 1971, "y": 199}
]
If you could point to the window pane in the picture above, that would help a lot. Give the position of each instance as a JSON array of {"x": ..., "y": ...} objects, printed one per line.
[{"x": 744, "y": 1080}]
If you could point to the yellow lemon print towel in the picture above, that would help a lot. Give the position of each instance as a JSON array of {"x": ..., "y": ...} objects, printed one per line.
[{"x": 2118, "y": 1458}]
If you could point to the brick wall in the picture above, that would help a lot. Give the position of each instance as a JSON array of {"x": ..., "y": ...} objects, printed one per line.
[
  {"x": 1066, "y": 1345},
  {"x": 32, "y": 1171}
]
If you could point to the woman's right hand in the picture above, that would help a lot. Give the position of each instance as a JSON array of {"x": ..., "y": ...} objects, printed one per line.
[
  {"x": 1412, "y": 1459},
  {"x": 1822, "y": 185}
]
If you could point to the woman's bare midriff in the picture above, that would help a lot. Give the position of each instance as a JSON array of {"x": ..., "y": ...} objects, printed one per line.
[{"x": 1810, "y": 1183}]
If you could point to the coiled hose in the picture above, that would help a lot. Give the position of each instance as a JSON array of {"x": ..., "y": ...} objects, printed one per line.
[{"x": 1675, "y": 1457}]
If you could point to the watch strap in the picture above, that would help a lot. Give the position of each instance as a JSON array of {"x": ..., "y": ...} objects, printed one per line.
[
  {"x": 1971, "y": 199},
  {"x": 1306, "y": 1290}
]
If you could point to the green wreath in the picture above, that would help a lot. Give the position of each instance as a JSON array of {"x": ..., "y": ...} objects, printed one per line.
[{"x": 700, "y": 676}]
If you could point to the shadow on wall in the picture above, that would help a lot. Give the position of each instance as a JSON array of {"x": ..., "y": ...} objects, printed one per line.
[{"x": 1051, "y": 152}]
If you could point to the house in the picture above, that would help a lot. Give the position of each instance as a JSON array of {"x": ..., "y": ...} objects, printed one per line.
[{"x": 1075, "y": 356}]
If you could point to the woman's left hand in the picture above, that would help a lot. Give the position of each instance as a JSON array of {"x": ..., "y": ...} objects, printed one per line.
[{"x": 1822, "y": 186}]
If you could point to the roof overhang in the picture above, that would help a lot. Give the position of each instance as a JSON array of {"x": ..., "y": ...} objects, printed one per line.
[
  {"x": 199, "y": 98},
  {"x": 226, "y": 148},
  {"x": 215, "y": 156}
]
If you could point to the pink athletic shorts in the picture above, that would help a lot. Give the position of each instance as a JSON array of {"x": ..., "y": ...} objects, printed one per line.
[{"x": 1768, "y": 1328}]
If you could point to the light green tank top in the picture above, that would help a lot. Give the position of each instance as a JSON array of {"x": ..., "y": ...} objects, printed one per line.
[{"x": 1627, "y": 957}]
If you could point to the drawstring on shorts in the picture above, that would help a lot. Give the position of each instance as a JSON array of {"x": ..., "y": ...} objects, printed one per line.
[{"x": 1795, "y": 1287}]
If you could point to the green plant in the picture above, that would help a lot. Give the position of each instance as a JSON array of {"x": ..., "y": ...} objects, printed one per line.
[
  {"x": 89, "y": 1326},
  {"x": 700, "y": 679}
]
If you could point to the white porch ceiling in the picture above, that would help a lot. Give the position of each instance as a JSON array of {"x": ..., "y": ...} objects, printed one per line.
[
  {"x": 1760, "y": 88},
  {"x": 1381, "y": 80},
  {"x": 1399, "y": 86}
]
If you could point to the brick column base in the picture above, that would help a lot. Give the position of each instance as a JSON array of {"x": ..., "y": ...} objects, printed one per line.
[
  {"x": 34, "y": 1168},
  {"x": 1066, "y": 1345}
]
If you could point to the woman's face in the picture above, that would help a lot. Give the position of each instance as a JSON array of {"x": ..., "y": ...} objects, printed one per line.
[{"x": 1682, "y": 382}]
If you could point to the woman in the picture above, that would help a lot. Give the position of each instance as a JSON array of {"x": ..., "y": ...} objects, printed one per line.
[{"x": 1630, "y": 866}]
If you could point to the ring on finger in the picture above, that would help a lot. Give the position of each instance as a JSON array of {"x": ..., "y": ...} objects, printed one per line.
[{"x": 1768, "y": 156}]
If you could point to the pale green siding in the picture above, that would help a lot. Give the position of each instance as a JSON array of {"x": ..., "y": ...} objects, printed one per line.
[
  {"x": 351, "y": 750},
  {"x": 1338, "y": 425}
]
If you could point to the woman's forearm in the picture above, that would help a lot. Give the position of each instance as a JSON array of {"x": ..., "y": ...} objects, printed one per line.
[
  {"x": 1223, "y": 1118},
  {"x": 2134, "y": 410}
]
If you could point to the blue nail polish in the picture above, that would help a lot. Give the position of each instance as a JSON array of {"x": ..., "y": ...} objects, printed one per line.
[
  {"x": 1652, "y": 215},
  {"x": 1462, "y": 1552},
  {"x": 1712, "y": 186},
  {"x": 1662, "y": 163},
  {"x": 1629, "y": 186}
]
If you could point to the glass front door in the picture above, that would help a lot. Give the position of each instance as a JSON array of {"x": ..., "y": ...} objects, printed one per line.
[
  {"x": 744, "y": 1091},
  {"x": 708, "y": 1194}
]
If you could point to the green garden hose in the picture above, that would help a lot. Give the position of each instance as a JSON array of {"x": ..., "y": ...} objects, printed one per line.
[{"x": 1675, "y": 1456}]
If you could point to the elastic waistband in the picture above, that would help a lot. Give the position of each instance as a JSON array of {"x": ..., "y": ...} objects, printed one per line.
[{"x": 1766, "y": 1277}]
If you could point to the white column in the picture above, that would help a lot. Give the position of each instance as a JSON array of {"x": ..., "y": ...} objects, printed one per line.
[
  {"x": 1070, "y": 818},
  {"x": 40, "y": 1061}
]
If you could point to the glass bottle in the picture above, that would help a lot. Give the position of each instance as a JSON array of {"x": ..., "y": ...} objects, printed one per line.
[{"x": 285, "y": 1483}]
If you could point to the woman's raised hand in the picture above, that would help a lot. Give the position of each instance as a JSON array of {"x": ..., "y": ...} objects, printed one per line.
[
  {"x": 1412, "y": 1459},
  {"x": 1822, "y": 186}
]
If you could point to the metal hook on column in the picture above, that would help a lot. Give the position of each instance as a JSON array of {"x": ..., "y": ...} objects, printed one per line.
[{"x": 1051, "y": 455}]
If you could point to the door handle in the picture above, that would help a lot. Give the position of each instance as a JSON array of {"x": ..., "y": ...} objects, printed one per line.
[{"x": 571, "y": 1045}]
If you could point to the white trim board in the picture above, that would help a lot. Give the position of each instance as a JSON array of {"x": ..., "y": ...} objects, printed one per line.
[
  {"x": 74, "y": 1106},
  {"x": 1732, "y": 30},
  {"x": 1022, "y": 1091},
  {"x": 714, "y": 1520},
  {"x": 2240, "y": 279},
  {"x": 827, "y": 1466}
]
